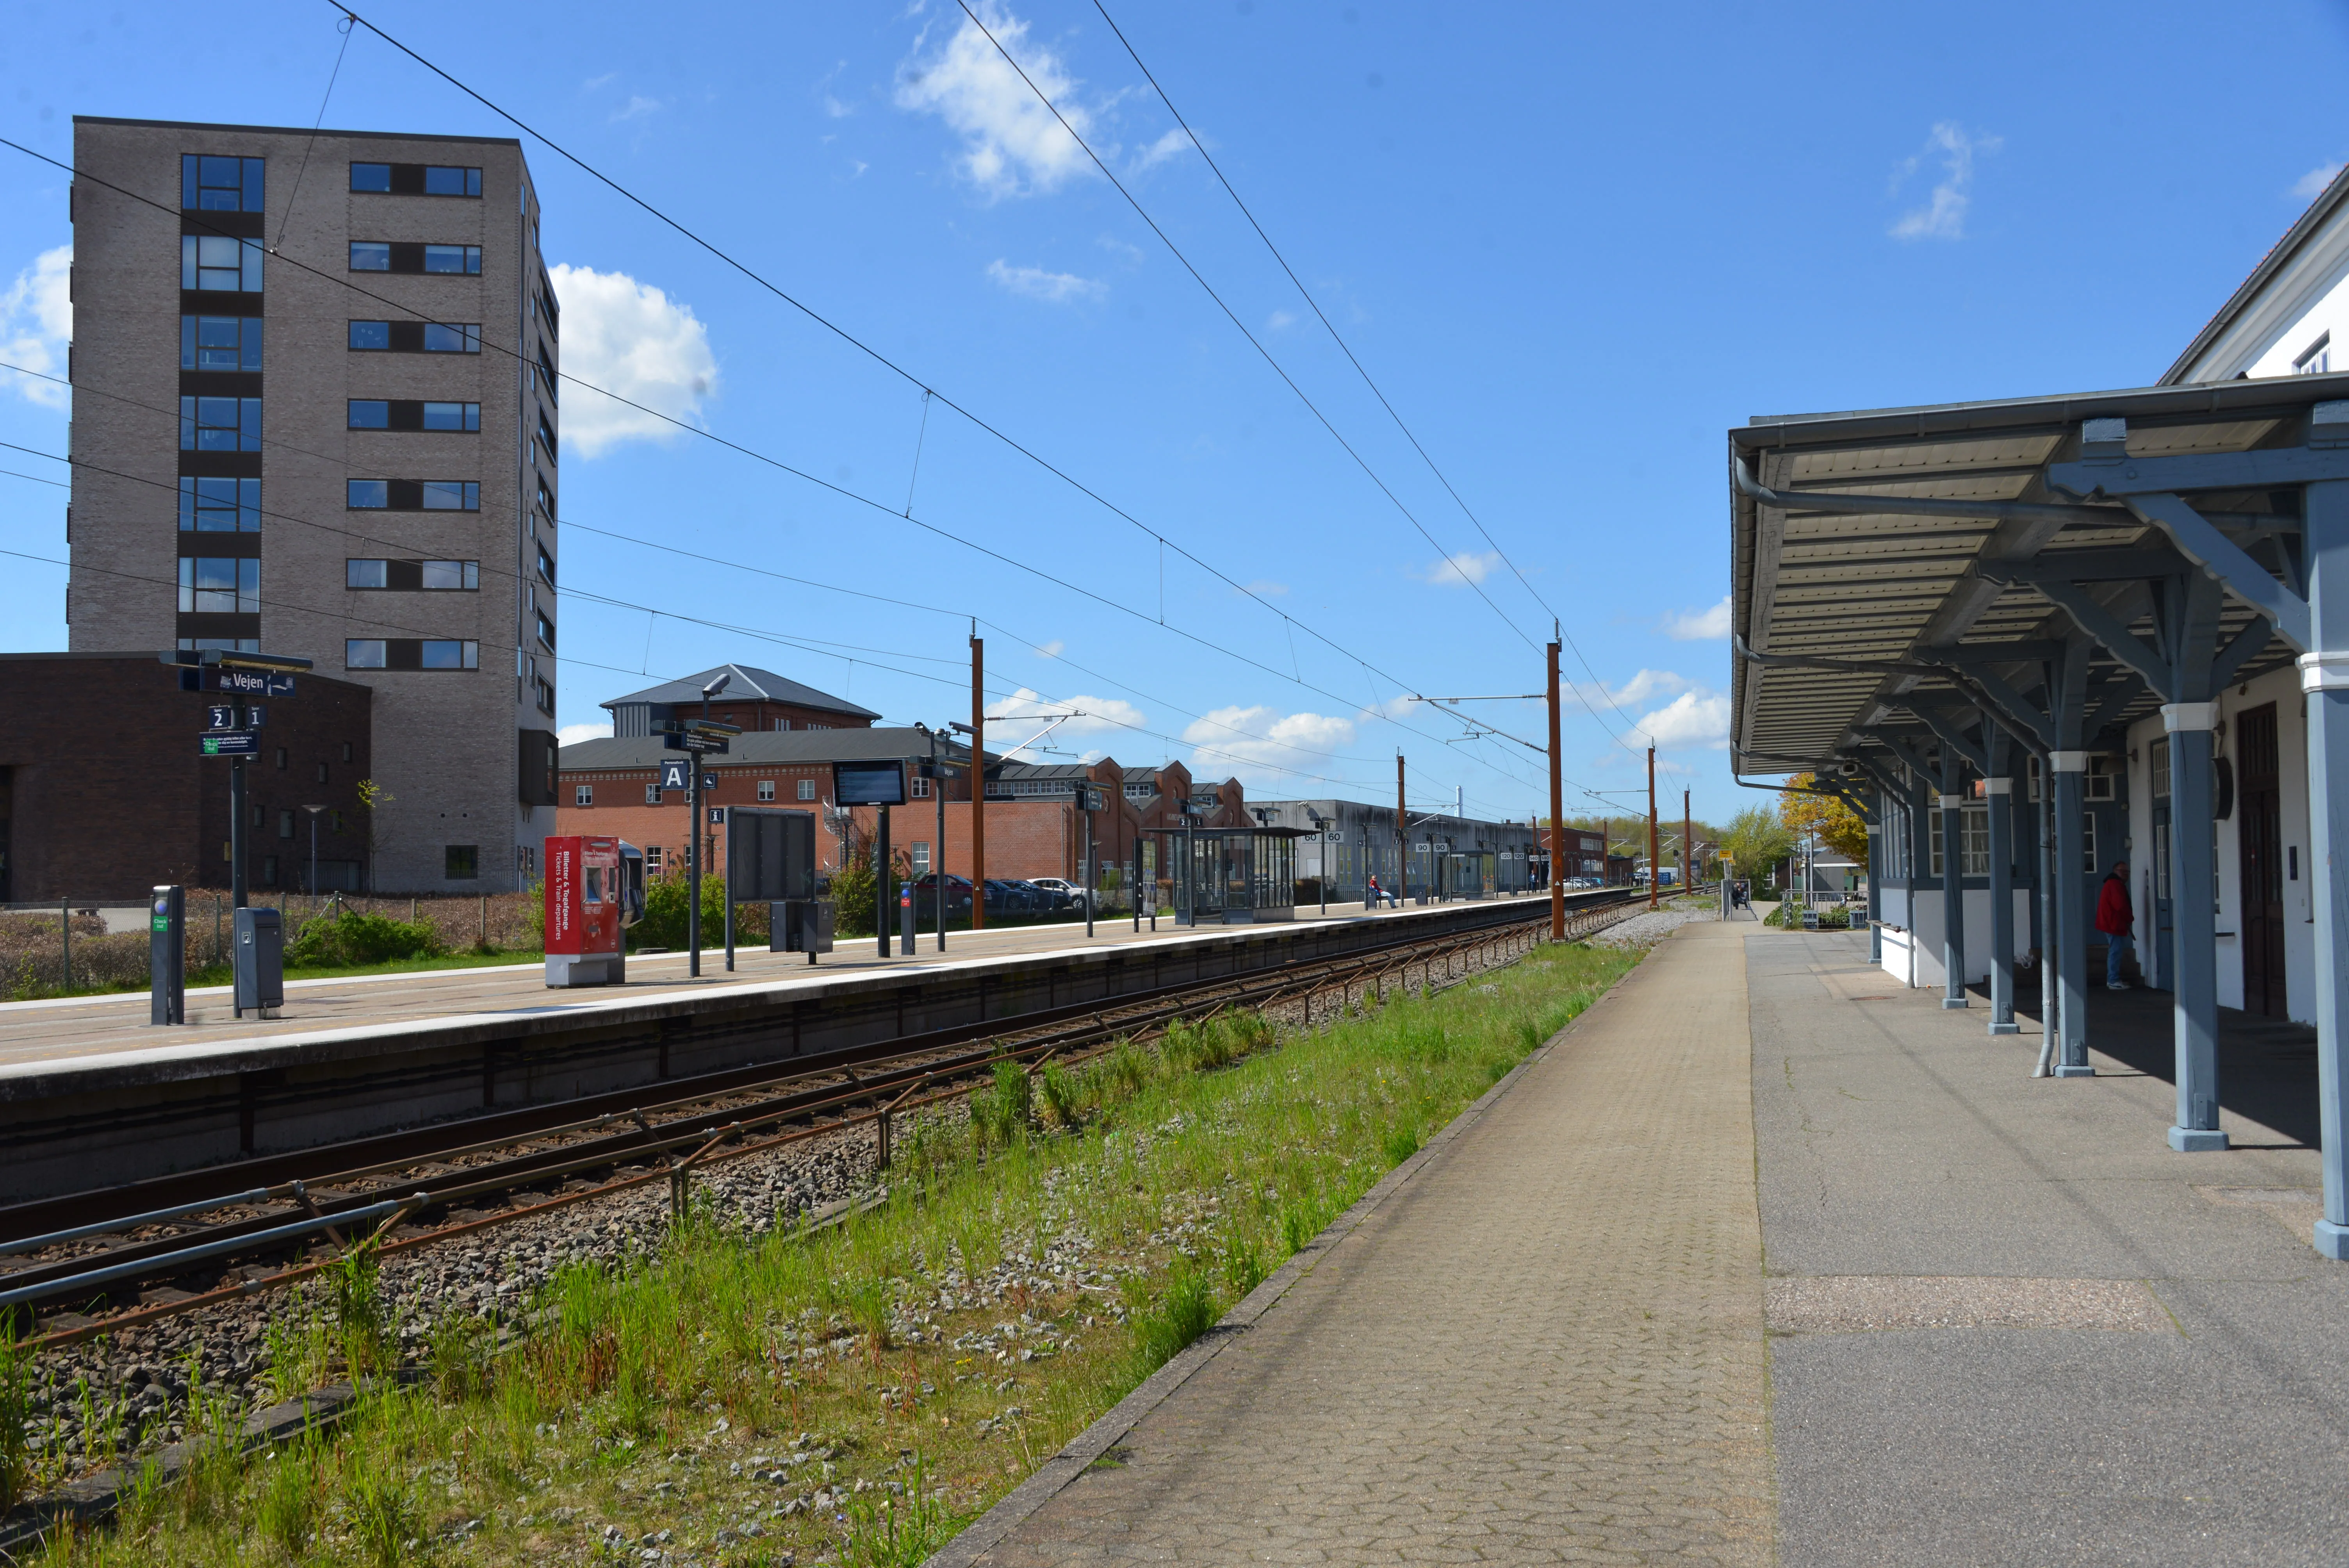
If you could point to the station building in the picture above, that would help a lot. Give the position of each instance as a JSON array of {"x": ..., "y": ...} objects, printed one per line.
[
  {"x": 2031, "y": 638},
  {"x": 1442, "y": 855}
]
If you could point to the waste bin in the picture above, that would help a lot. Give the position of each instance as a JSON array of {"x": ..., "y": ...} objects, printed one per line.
[
  {"x": 260, "y": 961},
  {"x": 800, "y": 925}
]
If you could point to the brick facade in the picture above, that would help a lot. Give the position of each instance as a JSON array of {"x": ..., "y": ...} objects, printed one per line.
[{"x": 103, "y": 793}]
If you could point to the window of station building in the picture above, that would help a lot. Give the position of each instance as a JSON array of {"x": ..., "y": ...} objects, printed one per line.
[
  {"x": 921, "y": 788},
  {"x": 653, "y": 854},
  {"x": 416, "y": 179},
  {"x": 269, "y": 870},
  {"x": 583, "y": 794},
  {"x": 545, "y": 697},
  {"x": 220, "y": 424},
  {"x": 214, "y": 184},
  {"x": 452, "y": 337},
  {"x": 766, "y": 788},
  {"x": 546, "y": 501},
  {"x": 450, "y": 576},
  {"x": 546, "y": 439},
  {"x": 369, "y": 414},
  {"x": 921, "y": 858},
  {"x": 370, "y": 256},
  {"x": 222, "y": 264},
  {"x": 807, "y": 790},
  {"x": 418, "y": 576},
  {"x": 449, "y": 495},
  {"x": 285, "y": 824},
  {"x": 214, "y": 586},
  {"x": 346, "y": 756},
  {"x": 219, "y": 342},
  {"x": 280, "y": 768},
  {"x": 460, "y": 863},
  {"x": 446, "y": 655},
  {"x": 214, "y": 505},
  {"x": 652, "y": 795},
  {"x": 2316, "y": 360}
]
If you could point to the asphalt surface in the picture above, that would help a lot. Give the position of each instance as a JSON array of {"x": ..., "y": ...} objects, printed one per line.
[{"x": 1898, "y": 1144}]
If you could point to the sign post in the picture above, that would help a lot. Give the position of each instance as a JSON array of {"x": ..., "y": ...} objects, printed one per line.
[
  {"x": 697, "y": 738},
  {"x": 166, "y": 956},
  {"x": 880, "y": 784}
]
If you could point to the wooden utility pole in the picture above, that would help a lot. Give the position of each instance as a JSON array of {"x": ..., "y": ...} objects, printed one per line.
[
  {"x": 1402, "y": 838},
  {"x": 1688, "y": 843},
  {"x": 978, "y": 784},
  {"x": 1651, "y": 828},
  {"x": 1557, "y": 812}
]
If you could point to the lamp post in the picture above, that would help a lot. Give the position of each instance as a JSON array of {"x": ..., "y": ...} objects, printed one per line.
[
  {"x": 693, "y": 841},
  {"x": 313, "y": 811}
]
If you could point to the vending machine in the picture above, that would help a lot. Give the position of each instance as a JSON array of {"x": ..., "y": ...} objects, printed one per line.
[{"x": 594, "y": 891}]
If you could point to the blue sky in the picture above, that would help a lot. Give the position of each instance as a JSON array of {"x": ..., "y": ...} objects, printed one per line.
[{"x": 1571, "y": 243}]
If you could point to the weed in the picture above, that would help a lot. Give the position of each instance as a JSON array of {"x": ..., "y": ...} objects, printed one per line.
[
  {"x": 1188, "y": 1311},
  {"x": 898, "y": 1531},
  {"x": 359, "y": 1312},
  {"x": 1243, "y": 1263},
  {"x": 1401, "y": 1144},
  {"x": 1060, "y": 1095},
  {"x": 1299, "y": 1226},
  {"x": 458, "y": 1351},
  {"x": 383, "y": 1516},
  {"x": 286, "y": 1504},
  {"x": 15, "y": 1375},
  {"x": 1002, "y": 1112},
  {"x": 1126, "y": 1070}
]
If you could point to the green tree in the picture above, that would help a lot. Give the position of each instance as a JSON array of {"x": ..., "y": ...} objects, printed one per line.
[{"x": 1755, "y": 840}]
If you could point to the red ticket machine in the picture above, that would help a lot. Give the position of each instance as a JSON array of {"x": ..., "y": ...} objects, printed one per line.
[{"x": 594, "y": 891}]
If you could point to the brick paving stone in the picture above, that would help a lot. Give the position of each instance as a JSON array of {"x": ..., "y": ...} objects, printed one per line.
[{"x": 1545, "y": 1347}]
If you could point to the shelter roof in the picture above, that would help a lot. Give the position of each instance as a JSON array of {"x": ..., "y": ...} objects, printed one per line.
[
  {"x": 749, "y": 685},
  {"x": 779, "y": 747}
]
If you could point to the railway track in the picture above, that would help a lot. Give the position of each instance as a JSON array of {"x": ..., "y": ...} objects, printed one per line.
[{"x": 121, "y": 1257}]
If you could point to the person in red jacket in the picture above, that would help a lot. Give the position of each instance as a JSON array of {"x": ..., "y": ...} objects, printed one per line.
[{"x": 2114, "y": 918}]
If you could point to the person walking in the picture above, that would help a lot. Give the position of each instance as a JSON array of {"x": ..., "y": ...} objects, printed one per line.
[{"x": 2114, "y": 919}]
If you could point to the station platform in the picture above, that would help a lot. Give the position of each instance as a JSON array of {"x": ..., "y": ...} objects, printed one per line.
[{"x": 1767, "y": 1259}]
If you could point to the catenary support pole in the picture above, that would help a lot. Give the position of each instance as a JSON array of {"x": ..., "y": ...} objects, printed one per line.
[
  {"x": 693, "y": 864},
  {"x": 1688, "y": 838},
  {"x": 2324, "y": 681},
  {"x": 1952, "y": 801},
  {"x": 1402, "y": 841},
  {"x": 977, "y": 780},
  {"x": 1651, "y": 828},
  {"x": 938, "y": 851},
  {"x": 1998, "y": 800},
  {"x": 1557, "y": 809}
]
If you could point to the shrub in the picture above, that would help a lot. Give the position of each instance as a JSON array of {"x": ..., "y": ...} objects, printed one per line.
[
  {"x": 665, "y": 908},
  {"x": 1001, "y": 1113},
  {"x": 348, "y": 938},
  {"x": 1060, "y": 1095}
]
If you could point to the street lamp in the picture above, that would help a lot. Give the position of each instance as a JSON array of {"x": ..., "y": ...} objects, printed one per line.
[
  {"x": 313, "y": 811},
  {"x": 694, "y": 840}
]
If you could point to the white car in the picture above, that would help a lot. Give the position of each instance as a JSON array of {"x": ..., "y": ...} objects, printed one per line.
[{"x": 1068, "y": 889}]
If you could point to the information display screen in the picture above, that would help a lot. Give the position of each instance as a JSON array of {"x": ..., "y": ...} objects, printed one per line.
[{"x": 868, "y": 783}]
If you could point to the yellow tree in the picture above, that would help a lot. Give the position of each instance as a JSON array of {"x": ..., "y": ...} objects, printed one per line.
[{"x": 1837, "y": 824}]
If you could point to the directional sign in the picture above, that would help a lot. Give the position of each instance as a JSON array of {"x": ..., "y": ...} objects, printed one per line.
[
  {"x": 249, "y": 682},
  {"x": 675, "y": 773},
  {"x": 222, "y": 716},
  {"x": 693, "y": 740},
  {"x": 709, "y": 781},
  {"x": 237, "y": 743}
]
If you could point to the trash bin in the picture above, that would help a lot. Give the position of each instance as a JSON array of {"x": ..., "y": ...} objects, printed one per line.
[
  {"x": 800, "y": 925},
  {"x": 260, "y": 961}
]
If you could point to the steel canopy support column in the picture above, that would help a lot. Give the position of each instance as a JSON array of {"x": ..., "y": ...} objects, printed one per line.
[
  {"x": 2324, "y": 678},
  {"x": 1875, "y": 882},
  {"x": 2196, "y": 952},
  {"x": 1998, "y": 792},
  {"x": 2071, "y": 915},
  {"x": 1953, "y": 881}
]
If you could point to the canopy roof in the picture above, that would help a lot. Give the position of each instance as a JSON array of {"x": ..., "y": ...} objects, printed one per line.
[{"x": 1879, "y": 588}]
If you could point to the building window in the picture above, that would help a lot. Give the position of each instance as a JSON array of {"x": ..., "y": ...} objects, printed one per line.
[
  {"x": 545, "y": 697},
  {"x": 410, "y": 654},
  {"x": 546, "y": 378},
  {"x": 807, "y": 790},
  {"x": 284, "y": 824},
  {"x": 213, "y": 586},
  {"x": 414, "y": 495},
  {"x": 1973, "y": 840},
  {"x": 419, "y": 577},
  {"x": 460, "y": 863},
  {"x": 209, "y": 505},
  {"x": 2160, "y": 770},
  {"x": 321, "y": 773},
  {"x": 221, "y": 264},
  {"x": 392, "y": 256},
  {"x": 546, "y": 501},
  {"x": 652, "y": 795},
  {"x": 2088, "y": 842},
  {"x": 547, "y": 566},
  {"x": 220, "y": 424},
  {"x": 583, "y": 795},
  {"x": 653, "y": 856},
  {"x": 416, "y": 179},
  {"x": 416, "y": 338},
  {"x": 346, "y": 756},
  {"x": 546, "y": 440},
  {"x": 219, "y": 342},
  {"x": 545, "y": 630},
  {"x": 280, "y": 768},
  {"x": 2316, "y": 360},
  {"x": 921, "y": 858},
  {"x": 400, "y": 414},
  {"x": 766, "y": 788},
  {"x": 210, "y": 184},
  {"x": 269, "y": 870},
  {"x": 921, "y": 788}
]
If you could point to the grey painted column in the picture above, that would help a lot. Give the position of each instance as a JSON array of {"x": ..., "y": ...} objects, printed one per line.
[
  {"x": 2051, "y": 1009},
  {"x": 1953, "y": 881},
  {"x": 2325, "y": 678},
  {"x": 2195, "y": 925},
  {"x": 1876, "y": 882},
  {"x": 2071, "y": 957},
  {"x": 1998, "y": 792}
]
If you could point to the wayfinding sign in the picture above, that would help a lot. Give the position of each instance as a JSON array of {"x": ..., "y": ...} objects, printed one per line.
[
  {"x": 249, "y": 682},
  {"x": 675, "y": 773},
  {"x": 868, "y": 783},
  {"x": 236, "y": 743},
  {"x": 700, "y": 742}
]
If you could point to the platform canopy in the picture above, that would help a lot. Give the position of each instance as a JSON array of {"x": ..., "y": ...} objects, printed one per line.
[{"x": 1903, "y": 554}]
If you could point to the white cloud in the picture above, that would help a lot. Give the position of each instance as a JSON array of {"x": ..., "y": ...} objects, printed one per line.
[
  {"x": 1265, "y": 740},
  {"x": 1050, "y": 650},
  {"x": 633, "y": 340},
  {"x": 1019, "y": 712},
  {"x": 1168, "y": 146},
  {"x": 2311, "y": 185},
  {"x": 1277, "y": 320},
  {"x": 592, "y": 83},
  {"x": 573, "y": 733},
  {"x": 35, "y": 325},
  {"x": 1011, "y": 144},
  {"x": 1943, "y": 216},
  {"x": 1057, "y": 288},
  {"x": 636, "y": 108},
  {"x": 1699, "y": 625},
  {"x": 1462, "y": 569},
  {"x": 1695, "y": 718},
  {"x": 1265, "y": 588}
]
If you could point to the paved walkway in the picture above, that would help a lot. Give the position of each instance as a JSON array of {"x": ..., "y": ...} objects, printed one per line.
[{"x": 1545, "y": 1345}]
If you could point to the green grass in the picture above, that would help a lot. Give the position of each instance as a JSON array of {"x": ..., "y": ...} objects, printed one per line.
[{"x": 1027, "y": 1271}]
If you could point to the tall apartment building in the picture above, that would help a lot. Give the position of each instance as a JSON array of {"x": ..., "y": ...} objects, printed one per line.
[{"x": 314, "y": 378}]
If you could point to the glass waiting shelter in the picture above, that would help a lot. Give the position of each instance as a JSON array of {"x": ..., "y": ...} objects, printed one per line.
[{"x": 1232, "y": 876}]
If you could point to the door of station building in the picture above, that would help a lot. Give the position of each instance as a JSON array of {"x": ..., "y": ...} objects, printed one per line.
[
  {"x": 2260, "y": 837},
  {"x": 2160, "y": 953}
]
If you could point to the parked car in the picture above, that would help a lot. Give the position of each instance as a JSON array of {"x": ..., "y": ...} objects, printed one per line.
[
  {"x": 1044, "y": 898},
  {"x": 926, "y": 891},
  {"x": 1010, "y": 897},
  {"x": 1064, "y": 893}
]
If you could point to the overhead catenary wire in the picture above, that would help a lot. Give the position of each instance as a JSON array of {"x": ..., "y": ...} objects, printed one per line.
[
  {"x": 879, "y": 358},
  {"x": 1361, "y": 370}
]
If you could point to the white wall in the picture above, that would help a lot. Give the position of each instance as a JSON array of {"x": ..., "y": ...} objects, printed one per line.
[{"x": 1926, "y": 928}]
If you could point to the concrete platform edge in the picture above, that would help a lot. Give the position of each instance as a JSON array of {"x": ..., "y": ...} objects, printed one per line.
[{"x": 985, "y": 1532}]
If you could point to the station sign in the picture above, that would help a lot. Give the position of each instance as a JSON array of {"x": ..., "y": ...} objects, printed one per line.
[
  {"x": 222, "y": 716},
  {"x": 248, "y": 683},
  {"x": 868, "y": 783},
  {"x": 700, "y": 742},
  {"x": 676, "y": 774},
  {"x": 236, "y": 743}
]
